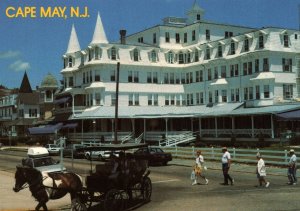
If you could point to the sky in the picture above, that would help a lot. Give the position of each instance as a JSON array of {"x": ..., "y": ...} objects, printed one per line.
[{"x": 36, "y": 45}]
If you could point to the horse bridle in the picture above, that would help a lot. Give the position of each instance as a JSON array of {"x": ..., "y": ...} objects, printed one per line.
[{"x": 26, "y": 184}]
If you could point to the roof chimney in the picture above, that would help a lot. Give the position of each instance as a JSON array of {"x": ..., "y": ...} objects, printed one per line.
[{"x": 122, "y": 36}]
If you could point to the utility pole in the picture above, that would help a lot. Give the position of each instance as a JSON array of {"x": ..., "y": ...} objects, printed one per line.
[{"x": 117, "y": 103}]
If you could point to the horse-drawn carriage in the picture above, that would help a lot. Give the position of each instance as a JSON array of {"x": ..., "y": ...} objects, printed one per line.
[{"x": 112, "y": 185}]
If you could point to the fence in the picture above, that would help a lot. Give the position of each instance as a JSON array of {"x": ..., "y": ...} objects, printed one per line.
[{"x": 273, "y": 157}]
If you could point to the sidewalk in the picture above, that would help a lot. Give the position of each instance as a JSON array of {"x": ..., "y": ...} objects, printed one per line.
[
  {"x": 21, "y": 201},
  {"x": 238, "y": 167}
]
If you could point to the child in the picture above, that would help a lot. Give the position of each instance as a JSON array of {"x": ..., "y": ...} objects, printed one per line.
[
  {"x": 198, "y": 168},
  {"x": 261, "y": 171}
]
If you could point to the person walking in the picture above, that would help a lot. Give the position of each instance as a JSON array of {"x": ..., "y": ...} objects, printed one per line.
[
  {"x": 261, "y": 171},
  {"x": 226, "y": 161},
  {"x": 292, "y": 168},
  {"x": 198, "y": 168}
]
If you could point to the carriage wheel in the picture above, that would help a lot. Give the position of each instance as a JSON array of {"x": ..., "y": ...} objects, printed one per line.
[
  {"x": 146, "y": 189},
  {"x": 114, "y": 200},
  {"x": 77, "y": 205},
  {"x": 137, "y": 191},
  {"x": 86, "y": 197}
]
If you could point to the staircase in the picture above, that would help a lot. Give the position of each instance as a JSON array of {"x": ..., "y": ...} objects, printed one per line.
[{"x": 174, "y": 140}]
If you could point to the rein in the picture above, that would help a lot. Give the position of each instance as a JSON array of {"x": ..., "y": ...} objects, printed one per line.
[{"x": 27, "y": 185}]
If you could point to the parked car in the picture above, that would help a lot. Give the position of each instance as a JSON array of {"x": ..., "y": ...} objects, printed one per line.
[
  {"x": 94, "y": 155},
  {"x": 76, "y": 149},
  {"x": 52, "y": 149},
  {"x": 38, "y": 158},
  {"x": 154, "y": 155}
]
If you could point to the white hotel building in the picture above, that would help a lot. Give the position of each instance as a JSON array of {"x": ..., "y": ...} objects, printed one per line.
[{"x": 186, "y": 74}]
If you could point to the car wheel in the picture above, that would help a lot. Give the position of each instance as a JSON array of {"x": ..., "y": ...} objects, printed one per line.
[
  {"x": 88, "y": 157},
  {"x": 100, "y": 157}
]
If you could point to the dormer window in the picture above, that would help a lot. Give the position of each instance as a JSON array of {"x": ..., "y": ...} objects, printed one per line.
[
  {"x": 180, "y": 58},
  {"x": 232, "y": 47},
  {"x": 196, "y": 56},
  {"x": 135, "y": 55},
  {"x": 97, "y": 52},
  {"x": 91, "y": 54},
  {"x": 286, "y": 40},
  {"x": 261, "y": 40},
  {"x": 246, "y": 44},
  {"x": 207, "y": 53},
  {"x": 113, "y": 53},
  {"x": 198, "y": 17},
  {"x": 153, "y": 56},
  {"x": 220, "y": 51},
  {"x": 177, "y": 37},
  {"x": 170, "y": 57}
]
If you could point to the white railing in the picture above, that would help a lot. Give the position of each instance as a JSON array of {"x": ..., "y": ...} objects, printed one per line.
[
  {"x": 172, "y": 140},
  {"x": 243, "y": 132},
  {"x": 274, "y": 157}
]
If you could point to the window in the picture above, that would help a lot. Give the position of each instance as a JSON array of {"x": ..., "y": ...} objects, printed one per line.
[
  {"x": 97, "y": 75},
  {"x": 155, "y": 77},
  {"x": 250, "y": 93},
  {"x": 135, "y": 55},
  {"x": 246, "y": 93},
  {"x": 232, "y": 48},
  {"x": 70, "y": 62},
  {"x": 153, "y": 56},
  {"x": 249, "y": 68},
  {"x": 133, "y": 99},
  {"x": 261, "y": 40},
  {"x": 167, "y": 100},
  {"x": 91, "y": 54},
  {"x": 154, "y": 38},
  {"x": 140, "y": 39},
  {"x": 198, "y": 75},
  {"x": 266, "y": 91},
  {"x": 149, "y": 77},
  {"x": 166, "y": 78},
  {"x": 224, "y": 96},
  {"x": 256, "y": 66},
  {"x": 286, "y": 40},
  {"x": 207, "y": 55},
  {"x": 97, "y": 98},
  {"x": 237, "y": 95},
  {"x": 216, "y": 96},
  {"x": 33, "y": 112},
  {"x": 185, "y": 37},
  {"x": 113, "y": 53},
  {"x": 97, "y": 52},
  {"x": 150, "y": 99},
  {"x": 196, "y": 56},
  {"x": 167, "y": 37},
  {"x": 286, "y": 65},
  {"x": 71, "y": 82},
  {"x": 183, "y": 78},
  {"x": 136, "y": 76},
  {"x": 188, "y": 57},
  {"x": 172, "y": 78},
  {"x": 220, "y": 50},
  {"x": 130, "y": 100},
  {"x": 207, "y": 34},
  {"x": 83, "y": 78},
  {"x": 246, "y": 44},
  {"x": 180, "y": 58},
  {"x": 236, "y": 69},
  {"x": 231, "y": 70},
  {"x": 287, "y": 91},
  {"x": 216, "y": 74},
  {"x": 296, "y": 36},
  {"x": 170, "y": 57},
  {"x": 228, "y": 34},
  {"x": 177, "y": 75},
  {"x": 193, "y": 35},
  {"x": 199, "y": 98},
  {"x": 257, "y": 92},
  {"x": 245, "y": 68},
  {"x": 156, "y": 99},
  {"x": 210, "y": 97},
  {"x": 112, "y": 75},
  {"x": 266, "y": 65},
  {"x": 208, "y": 74},
  {"x": 223, "y": 71},
  {"x": 198, "y": 17},
  {"x": 177, "y": 38},
  {"x": 232, "y": 95}
]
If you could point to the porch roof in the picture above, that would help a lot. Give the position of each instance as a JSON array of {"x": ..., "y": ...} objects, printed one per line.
[{"x": 157, "y": 111}]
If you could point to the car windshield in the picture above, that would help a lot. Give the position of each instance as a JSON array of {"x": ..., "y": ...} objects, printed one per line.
[{"x": 45, "y": 161}]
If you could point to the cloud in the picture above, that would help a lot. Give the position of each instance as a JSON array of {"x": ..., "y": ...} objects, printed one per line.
[
  {"x": 19, "y": 65},
  {"x": 9, "y": 54}
]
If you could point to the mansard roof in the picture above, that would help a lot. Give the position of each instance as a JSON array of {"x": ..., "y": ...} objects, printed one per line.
[
  {"x": 73, "y": 45},
  {"x": 99, "y": 33}
]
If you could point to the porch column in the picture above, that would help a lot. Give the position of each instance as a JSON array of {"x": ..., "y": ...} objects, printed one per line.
[
  {"x": 216, "y": 127},
  {"x": 200, "y": 129},
  {"x": 112, "y": 129},
  {"x": 252, "y": 126},
  {"x": 192, "y": 126},
  {"x": 73, "y": 102},
  {"x": 232, "y": 124},
  {"x": 144, "y": 130},
  {"x": 166, "y": 120},
  {"x": 272, "y": 126},
  {"x": 81, "y": 129},
  {"x": 133, "y": 127}
]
